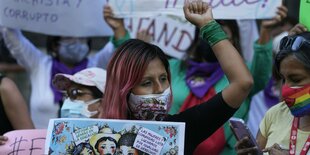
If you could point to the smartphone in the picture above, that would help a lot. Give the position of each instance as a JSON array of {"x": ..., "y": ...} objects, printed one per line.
[{"x": 240, "y": 130}]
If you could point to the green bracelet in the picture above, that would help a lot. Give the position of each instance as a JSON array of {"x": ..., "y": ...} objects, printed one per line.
[
  {"x": 120, "y": 41},
  {"x": 213, "y": 33}
]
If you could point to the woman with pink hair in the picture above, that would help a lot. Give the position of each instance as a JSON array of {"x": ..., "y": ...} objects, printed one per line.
[{"x": 138, "y": 82}]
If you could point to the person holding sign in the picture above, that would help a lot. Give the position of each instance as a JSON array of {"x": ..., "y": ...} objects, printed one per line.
[
  {"x": 13, "y": 109},
  {"x": 139, "y": 84},
  {"x": 67, "y": 55},
  {"x": 285, "y": 128}
]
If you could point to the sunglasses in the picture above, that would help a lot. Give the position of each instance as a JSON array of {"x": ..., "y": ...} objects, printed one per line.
[
  {"x": 74, "y": 93},
  {"x": 294, "y": 43}
]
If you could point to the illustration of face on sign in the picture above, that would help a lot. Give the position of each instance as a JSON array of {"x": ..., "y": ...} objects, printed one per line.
[
  {"x": 125, "y": 144},
  {"x": 105, "y": 142},
  {"x": 83, "y": 148}
]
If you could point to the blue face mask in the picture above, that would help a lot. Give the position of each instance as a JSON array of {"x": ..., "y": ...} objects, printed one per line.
[
  {"x": 77, "y": 109},
  {"x": 73, "y": 52}
]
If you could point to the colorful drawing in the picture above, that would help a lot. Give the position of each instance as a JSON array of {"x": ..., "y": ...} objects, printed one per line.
[{"x": 122, "y": 137}]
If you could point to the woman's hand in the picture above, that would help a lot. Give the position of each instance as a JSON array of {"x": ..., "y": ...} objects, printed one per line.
[
  {"x": 108, "y": 15},
  {"x": 297, "y": 29},
  {"x": 268, "y": 25},
  {"x": 277, "y": 19},
  {"x": 243, "y": 147},
  {"x": 117, "y": 24},
  {"x": 3, "y": 140},
  {"x": 198, "y": 12},
  {"x": 144, "y": 36},
  {"x": 276, "y": 149}
]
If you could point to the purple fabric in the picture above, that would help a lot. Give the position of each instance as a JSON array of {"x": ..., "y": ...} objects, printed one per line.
[
  {"x": 271, "y": 97},
  {"x": 58, "y": 67},
  {"x": 200, "y": 77}
]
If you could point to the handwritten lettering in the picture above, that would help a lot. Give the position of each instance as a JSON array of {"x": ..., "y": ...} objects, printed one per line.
[
  {"x": 184, "y": 35},
  {"x": 165, "y": 32},
  {"x": 51, "y": 3},
  {"x": 167, "y": 35},
  {"x": 214, "y": 3},
  {"x": 78, "y": 4},
  {"x": 16, "y": 146},
  {"x": 30, "y": 16},
  {"x": 168, "y": 3},
  {"x": 34, "y": 147},
  {"x": 84, "y": 133},
  {"x": 149, "y": 141},
  {"x": 217, "y": 3}
]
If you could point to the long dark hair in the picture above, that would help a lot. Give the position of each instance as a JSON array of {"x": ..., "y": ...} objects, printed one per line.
[{"x": 200, "y": 50}]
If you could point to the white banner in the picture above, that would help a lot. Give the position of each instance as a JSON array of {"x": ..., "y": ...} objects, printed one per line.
[
  {"x": 84, "y": 17},
  {"x": 55, "y": 17},
  {"x": 172, "y": 34},
  {"x": 222, "y": 9}
]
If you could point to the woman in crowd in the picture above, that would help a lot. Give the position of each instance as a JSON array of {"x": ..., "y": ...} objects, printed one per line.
[
  {"x": 83, "y": 92},
  {"x": 138, "y": 82},
  {"x": 66, "y": 55},
  {"x": 285, "y": 129},
  {"x": 199, "y": 76}
]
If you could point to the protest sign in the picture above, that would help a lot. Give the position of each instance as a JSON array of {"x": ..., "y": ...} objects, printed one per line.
[
  {"x": 304, "y": 13},
  {"x": 73, "y": 135},
  {"x": 55, "y": 17},
  {"x": 222, "y": 9},
  {"x": 25, "y": 142},
  {"x": 172, "y": 34}
]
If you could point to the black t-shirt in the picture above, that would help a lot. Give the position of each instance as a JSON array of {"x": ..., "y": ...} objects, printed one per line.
[{"x": 202, "y": 121}]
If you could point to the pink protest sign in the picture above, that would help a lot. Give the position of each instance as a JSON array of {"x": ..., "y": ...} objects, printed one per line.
[{"x": 25, "y": 142}]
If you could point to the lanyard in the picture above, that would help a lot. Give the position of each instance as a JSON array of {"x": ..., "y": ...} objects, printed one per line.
[{"x": 293, "y": 139}]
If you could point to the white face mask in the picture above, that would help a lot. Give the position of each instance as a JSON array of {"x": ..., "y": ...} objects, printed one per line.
[
  {"x": 77, "y": 109},
  {"x": 73, "y": 52},
  {"x": 150, "y": 107}
]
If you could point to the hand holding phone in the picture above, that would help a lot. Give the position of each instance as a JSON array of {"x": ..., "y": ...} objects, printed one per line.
[{"x": 241, "y": 131}]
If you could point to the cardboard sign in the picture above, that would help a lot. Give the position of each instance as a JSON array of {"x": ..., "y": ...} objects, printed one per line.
[
  {"x": 25, "y": 142},
  {"x": 55, "y": 17},
  {"x": 172, "y": 34},
  {"x": 222, "y": 9},
  {"x": 100, "y": 136},
  {"x": 304, "y": 13}
]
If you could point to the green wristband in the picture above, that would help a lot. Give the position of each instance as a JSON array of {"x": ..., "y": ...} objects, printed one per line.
[
  {"x": 213, "y": 33},
  {"x": 120, "y": 41}
]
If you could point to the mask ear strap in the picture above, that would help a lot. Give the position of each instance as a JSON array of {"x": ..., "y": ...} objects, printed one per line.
[
  {"x": 91, "y": 113},
  {"x": 92, "y": 101}
]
